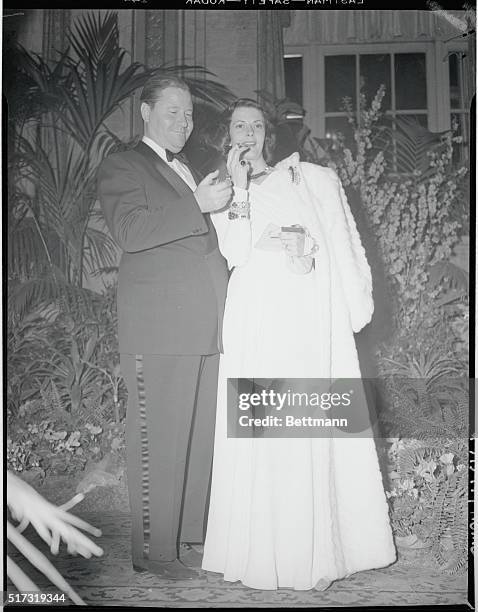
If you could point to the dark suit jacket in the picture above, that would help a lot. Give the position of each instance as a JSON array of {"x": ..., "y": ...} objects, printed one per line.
[{"x": 172, "y": 278}]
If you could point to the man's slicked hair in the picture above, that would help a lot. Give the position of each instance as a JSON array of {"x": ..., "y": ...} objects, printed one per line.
[{"x": 154, "y": 86}]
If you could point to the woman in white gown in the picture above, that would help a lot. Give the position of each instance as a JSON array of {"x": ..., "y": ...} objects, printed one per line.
[{"x": 291, "y": 512}]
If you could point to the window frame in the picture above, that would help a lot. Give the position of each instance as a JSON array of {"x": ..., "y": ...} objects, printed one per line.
[
  {"x": 458, "y": 47},
  {"x": 438, "y": 106}
]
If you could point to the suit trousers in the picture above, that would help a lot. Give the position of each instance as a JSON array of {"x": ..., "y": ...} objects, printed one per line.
[{"x": 169, "y": 444}]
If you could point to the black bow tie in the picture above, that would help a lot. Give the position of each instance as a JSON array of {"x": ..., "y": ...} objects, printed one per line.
[{"x": 170, "y": 156}]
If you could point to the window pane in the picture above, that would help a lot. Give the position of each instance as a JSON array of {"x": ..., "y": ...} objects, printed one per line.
[
  {"x": 340, "y": 81},
  {"x": 293, "y": 79},
  {"x": 455, "y": 89},
  {"x": 410, "y": 81},
  {"x": 336, "y": 127},
  {"x": 375, "y": 71}
]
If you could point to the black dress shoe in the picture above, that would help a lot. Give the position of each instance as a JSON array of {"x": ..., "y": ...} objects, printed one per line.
[
  {"x": 172, "y": 570},
  {"x": 190, "y": 556}
]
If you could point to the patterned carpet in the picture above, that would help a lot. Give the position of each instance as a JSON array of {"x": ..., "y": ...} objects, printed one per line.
[{"x": 110, "y": 580}]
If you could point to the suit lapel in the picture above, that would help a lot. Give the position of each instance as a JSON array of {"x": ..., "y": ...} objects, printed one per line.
[{"x": 162, "y": 167}]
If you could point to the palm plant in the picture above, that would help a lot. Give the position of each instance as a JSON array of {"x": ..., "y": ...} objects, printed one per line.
[
  {"x": 76, "y": 379},
  {"x": 57, "y": 138},
  {"x": 26, "y": 341},
  {"x": 426, "y": 371}
]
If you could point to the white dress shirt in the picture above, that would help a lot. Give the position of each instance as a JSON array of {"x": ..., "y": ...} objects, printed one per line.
[{"x": 180, "y": 169}]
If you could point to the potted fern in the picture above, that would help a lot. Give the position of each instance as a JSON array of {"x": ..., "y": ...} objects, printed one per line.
[{"x": 428, "y": 473}]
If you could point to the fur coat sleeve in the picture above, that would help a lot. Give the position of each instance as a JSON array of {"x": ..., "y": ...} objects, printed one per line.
[{"x": 324, "y": 192}]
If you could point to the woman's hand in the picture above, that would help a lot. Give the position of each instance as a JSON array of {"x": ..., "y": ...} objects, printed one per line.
[
  {"x": 293, "y": 242},
  {"x": 238, "y": 168}
]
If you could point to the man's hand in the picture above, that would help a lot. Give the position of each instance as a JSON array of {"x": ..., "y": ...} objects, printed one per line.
[{"x": 211, "y": 195}]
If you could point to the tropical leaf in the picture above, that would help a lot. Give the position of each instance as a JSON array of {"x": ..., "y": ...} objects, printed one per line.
[
  {"x": 31, "y": 84},
  {"x": 45, "y": 288},
  {"x": 99, "y": 81},
  {"x": 95, "y": 39},
  {"x": 23, "y": 240},
  {"x": 100, "y": 251},
  {"x": 448, "y": 275},
  {"x": 413, "y": 144},
  {"x": 449, "y": 515},
  {"x": 427, "y": 364}
]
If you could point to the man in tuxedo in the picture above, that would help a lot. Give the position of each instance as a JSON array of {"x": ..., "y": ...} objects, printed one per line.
[{"x": 171, "y": 291}]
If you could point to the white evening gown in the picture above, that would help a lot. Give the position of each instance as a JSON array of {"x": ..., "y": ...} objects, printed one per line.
[{"x": 274, "y": 517}]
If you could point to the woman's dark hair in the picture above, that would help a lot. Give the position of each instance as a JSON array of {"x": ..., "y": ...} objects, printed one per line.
[
  {"x": 154, "y": 86},
  {"x": 220, "y": 139}
]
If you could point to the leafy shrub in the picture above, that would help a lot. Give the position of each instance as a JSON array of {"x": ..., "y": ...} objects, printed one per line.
[{"x": 70, "y": 405}]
